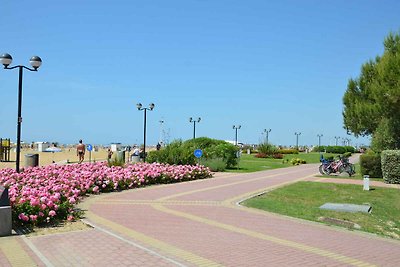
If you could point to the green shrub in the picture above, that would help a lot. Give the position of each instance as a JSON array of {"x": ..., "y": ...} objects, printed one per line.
[
  {"x": 329, "y": 157},
  {"x": 215, "y": 165},
  {"x": 179, "y": 152},
  {"x": 391, "y": 166},
  {"x": 334, "y": 149},
  {"x": 347, "y": 154},
  {"x": 297, "y": 161},
  {"x": 288, "y": 151},
  {"x": 116, "y": 161},
  {"x": 174, "y": 153},
  {"x": 371, "y": 165},
  {"x": 319, "y": 149},
  {"x": 266, "y": 148}
]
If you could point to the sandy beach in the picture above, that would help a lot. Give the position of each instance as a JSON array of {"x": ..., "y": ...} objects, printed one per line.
[{"x": 47, "y": 158}]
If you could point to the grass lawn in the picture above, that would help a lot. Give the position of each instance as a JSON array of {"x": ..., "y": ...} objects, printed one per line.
[
  {"x": 249, "y": 163},
  {"x": 303, "y": 199}
]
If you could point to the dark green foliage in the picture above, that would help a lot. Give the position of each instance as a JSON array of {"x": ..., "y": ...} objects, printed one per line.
[
  {"x": 371, "y": 102},
  {"x": 179, "y": 152},
  {"x": 391, "y": 166},
  {"x": 267, "y": 148},
  {"x": 215, "y": 165},
  {"x": 347, "y": 155},
  {"x": 370, "y": 164},
  {"x": 329, "y": 157},
  {"x": 319, "y": 149},
  {"x": 334, "y": 149},
  {"x": 385, "y": 135},
  {"x": 116, "y": 161}
]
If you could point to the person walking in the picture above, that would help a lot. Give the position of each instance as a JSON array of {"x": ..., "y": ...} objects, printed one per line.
[
  {"x": 109, "y": 154},
  {"x": 80, "y": 151}
]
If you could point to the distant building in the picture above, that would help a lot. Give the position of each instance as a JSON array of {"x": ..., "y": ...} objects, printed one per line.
[
  {"x": 115, "y": 147},
  {"x": 41, "y": 146}
]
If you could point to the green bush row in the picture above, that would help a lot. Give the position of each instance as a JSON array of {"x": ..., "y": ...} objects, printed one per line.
[
  {"x": 179, "y": 152},
  {"x": 370, "y": 164},
  {"x": 391, "y": 166},
  {"x": 334, "y": 149}
]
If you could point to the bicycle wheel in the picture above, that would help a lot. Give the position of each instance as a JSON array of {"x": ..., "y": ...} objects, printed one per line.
[
  {"x": 322, "y": 169},
  {"x": 350, "y": 169},
  {"x": 326, "y": 169}
]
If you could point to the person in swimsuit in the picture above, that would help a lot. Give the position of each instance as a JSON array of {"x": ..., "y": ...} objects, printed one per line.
[{"x": 80, "y": 151}]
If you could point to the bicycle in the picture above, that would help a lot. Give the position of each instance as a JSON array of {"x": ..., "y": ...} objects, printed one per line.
[{"x": 341, "y": 165}]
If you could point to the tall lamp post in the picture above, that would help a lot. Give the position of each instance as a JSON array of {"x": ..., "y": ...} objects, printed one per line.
[
  {"x": 266, "y": 134},
  {"x": 236, "y": 128},
  {"x": 297, "y": 139},
  {"x": 194, "y": 125},
  {"x": 140, "y": 107},
  {"x": 337, "y": 138},
  {"x": 35, "y": 62},
  {"x": 161, "y": 140},
  {"x": 319, "y": 140}
]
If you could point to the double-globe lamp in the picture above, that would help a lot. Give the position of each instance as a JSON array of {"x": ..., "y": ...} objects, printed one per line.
[
  {"x": 236, "y": 128},
  {"x": 140, "y": 107},
  {"x": 194, "y": 125},
  {"x": 35, "y": 62}
]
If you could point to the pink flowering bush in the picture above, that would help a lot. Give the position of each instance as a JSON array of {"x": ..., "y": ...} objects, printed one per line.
[{"x": 45, "y": 194}]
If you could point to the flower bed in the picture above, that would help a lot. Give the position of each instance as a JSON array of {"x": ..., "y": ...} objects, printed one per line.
[{"x": 42, "y": 195}]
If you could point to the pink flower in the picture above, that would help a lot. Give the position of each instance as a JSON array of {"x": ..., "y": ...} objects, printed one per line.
[{"x": 52, "y": 213}]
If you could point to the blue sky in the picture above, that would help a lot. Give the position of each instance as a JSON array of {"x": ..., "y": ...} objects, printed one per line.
[{"x": 282, "y": 65}]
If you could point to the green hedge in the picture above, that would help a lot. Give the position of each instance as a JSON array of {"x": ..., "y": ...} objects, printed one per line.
[
  {"x": 334, "y": 149},
  {"x": 370, "y": 164},
  {"x": 391, "y": 166},
  {"x": 288, "y": 151},
  {"x": 179, "y": 152}
]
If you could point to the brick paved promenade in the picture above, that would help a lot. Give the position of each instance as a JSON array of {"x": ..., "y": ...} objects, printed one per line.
[{"x": 200, "y": 224}]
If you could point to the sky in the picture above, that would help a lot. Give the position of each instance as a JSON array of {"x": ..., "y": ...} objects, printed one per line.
[{"x": 280, "y": 65}]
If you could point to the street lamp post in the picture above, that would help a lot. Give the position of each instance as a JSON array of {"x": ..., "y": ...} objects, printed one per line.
[
  {"x": 161, "y": 139},
  {"x": 319, "y": 140},
  {"x": 140, "y": 107},
  {"x": 236, "y": 127},
  {"x": 35, "y": 62},
  {"x": 266, "y": 134},
  {"x": 194, "y": 125},
  {"x": 337, "y": 138},
  {"x": 297, "y": 139},
  {"x": 346, "y": 141}
]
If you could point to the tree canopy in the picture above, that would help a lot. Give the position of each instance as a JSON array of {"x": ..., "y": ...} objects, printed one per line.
[{"x": 372, "y": 101}]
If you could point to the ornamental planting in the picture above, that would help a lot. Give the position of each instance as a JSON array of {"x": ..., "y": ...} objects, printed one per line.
[{"x": 42, "y": 195}]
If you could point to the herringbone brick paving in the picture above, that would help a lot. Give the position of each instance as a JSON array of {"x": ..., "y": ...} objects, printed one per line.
[{"x": 199, "y": 224}]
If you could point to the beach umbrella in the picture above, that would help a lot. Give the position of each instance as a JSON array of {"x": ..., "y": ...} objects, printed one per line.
[{"x": 52, "y": 149}]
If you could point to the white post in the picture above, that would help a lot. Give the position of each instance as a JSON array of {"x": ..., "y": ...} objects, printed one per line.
[{"x": 366, "y": 183}]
